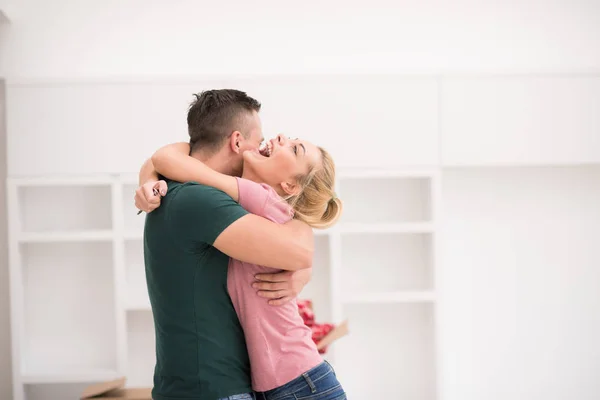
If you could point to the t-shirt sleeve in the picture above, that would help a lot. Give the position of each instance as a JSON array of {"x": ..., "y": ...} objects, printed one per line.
[
  {"x": 201, "y": 213},
  {"x": 253, "y": 196},
  {"x": 260, "y": 199}
]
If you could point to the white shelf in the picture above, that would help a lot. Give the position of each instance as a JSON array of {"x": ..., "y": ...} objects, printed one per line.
[
  {"x": 374, "y": 173},
  {"x": 57, "y": 237},
  {"x": 136, "y": 234},
  {"x": 399, "y": 339},
  {"x": 54, "y": 181},
  {"x": 135, "y": 275},
  {"x": 69, "y": 312},
  {"x": 317, "y": 289},
  {"x": 97, "y": 324},
  {"x": 133, "y": 234},
  {"x": 141, "y": 350},
  {"x": 391, "y": 297},
  {"x": 69, "y": 376},
  {"x": 385, "y": 200},
  {"x": 132, "y": 222},
  {"x": 138, "y": 302},
  {"x": 406, "y": 227},
  {"x": 386, "y": 262},
  {"x": 65, "y": 208}
]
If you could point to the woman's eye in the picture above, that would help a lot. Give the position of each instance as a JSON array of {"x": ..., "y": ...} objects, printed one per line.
[{"x": 296, "y": 150}]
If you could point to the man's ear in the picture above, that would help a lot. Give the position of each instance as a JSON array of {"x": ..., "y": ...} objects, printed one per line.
[
  {"x": 235, "y": 141},
  {"x": 290, "y": 188}
]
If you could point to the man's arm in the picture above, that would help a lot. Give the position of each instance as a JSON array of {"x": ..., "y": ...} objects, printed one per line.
[
  {"x": 203, "y": 214},
  {"x": 255, "y": 240},
  {"x": 283, "y": 286},
  {"x": 174, "y": 162}
]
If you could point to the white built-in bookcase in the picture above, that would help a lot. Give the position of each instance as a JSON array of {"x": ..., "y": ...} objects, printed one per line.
[{"x": 81, "y": 311}]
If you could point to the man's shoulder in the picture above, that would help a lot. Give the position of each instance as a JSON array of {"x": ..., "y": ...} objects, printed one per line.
[
  {"x": 196, "y": 198},
  {"x": 191, "y": 188},
  {"x": 193, "y": 191}
]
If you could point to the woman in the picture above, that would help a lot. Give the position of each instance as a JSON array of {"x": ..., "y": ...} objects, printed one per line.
[{"x": 286, "y": 179}]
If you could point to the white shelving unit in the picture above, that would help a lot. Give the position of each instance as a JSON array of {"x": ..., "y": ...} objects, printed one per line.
[
  {"x": 376, "y": 268},
  {"x": 385, "y": 283}
]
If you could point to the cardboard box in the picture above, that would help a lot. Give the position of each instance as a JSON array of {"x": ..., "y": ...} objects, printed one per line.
[{"x": 114, "y": 390}]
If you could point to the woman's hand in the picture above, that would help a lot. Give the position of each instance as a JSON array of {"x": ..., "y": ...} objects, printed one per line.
[
  {"x": 147, "y": 197},
  {"x": 282, "y": 287}
]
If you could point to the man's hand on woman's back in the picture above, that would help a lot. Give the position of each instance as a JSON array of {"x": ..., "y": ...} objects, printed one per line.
[{"x": 283, "y": 286}]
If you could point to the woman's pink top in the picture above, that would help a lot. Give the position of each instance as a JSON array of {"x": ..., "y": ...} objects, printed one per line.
[{"x": 279, "y": 344}]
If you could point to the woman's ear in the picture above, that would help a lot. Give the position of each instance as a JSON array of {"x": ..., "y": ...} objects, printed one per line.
[
  {"x": 235, "y": 141},
  {"x": 290, "y": 188}
]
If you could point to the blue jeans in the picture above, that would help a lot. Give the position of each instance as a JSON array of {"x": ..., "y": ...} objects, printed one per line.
[
  {"x": 319, "y": 383},
  {"x": 245, "y": 396}
]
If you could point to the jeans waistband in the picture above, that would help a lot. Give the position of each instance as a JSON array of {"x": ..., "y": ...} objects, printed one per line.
[{"x": 307, "y": 378}]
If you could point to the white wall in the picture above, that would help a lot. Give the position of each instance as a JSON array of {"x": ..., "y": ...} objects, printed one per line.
[
  {"x": 520, "y": 120},
  {"x": 71, "y": 38},
  {"x": 113, "y": 128},
  {"x": 520, "y": 277}
]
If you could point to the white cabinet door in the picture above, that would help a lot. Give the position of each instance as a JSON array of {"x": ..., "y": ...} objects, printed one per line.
[
  {"x": 363, "y": 121},
  {"x": 90, "y": 128},
  {"x": 520, "y": 120}
]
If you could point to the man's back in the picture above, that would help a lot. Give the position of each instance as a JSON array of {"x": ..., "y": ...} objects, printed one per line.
[{"x": 200, "y": 348}]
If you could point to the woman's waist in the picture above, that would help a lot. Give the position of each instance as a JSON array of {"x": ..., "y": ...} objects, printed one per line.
[{"x": 274, "y": 369}]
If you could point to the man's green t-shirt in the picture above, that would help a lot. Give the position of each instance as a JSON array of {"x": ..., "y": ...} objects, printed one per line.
[{"x": 200, "y": 347}]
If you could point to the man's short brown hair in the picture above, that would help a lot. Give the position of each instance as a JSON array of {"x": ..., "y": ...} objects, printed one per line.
[{"x": 215, "y": 114}]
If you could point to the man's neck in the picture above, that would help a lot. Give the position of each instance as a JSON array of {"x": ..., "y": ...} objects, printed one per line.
[{"x": 220, "y": 162}]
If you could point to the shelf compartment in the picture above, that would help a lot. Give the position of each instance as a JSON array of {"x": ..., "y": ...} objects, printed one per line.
[
  {"x": 68, "y": 323},
  {"x": 399, "y": 338},
  {"x": 141, "y": 349},
  {"x": 406, "y": 227},
  {"x": 385, "y": 200},
  {"x": 137, "y": 291},
  {"x": 390, "y": 297},
  {"x": 319, "y": 288},
  {"x": 86, "y": 208},
  {"x": 384, "y": 262},
  {"x": 69, "y": 376},
  {"x": 75, "y": 236},
  {"x": 134, "y": 223}
]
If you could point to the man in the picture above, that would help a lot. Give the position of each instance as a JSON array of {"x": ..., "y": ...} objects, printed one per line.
[{"x": 200, "y": 347}]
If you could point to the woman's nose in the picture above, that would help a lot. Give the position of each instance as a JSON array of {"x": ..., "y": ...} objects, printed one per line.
[{"x": 281, "y": 139}]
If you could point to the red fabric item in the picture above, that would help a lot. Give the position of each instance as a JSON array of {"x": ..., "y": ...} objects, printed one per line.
[
  {"x": 319, "y": 331},
  {"x": 305, "y": 309}
]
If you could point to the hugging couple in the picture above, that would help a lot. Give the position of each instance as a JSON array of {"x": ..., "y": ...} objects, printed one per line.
[{"x": 228, "y": 246}]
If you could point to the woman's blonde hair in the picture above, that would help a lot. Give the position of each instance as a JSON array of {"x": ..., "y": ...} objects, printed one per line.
[{"x": 317, "y": 203}]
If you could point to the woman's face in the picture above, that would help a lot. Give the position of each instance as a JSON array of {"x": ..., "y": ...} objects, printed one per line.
[{"x": 280, "y": 161}]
